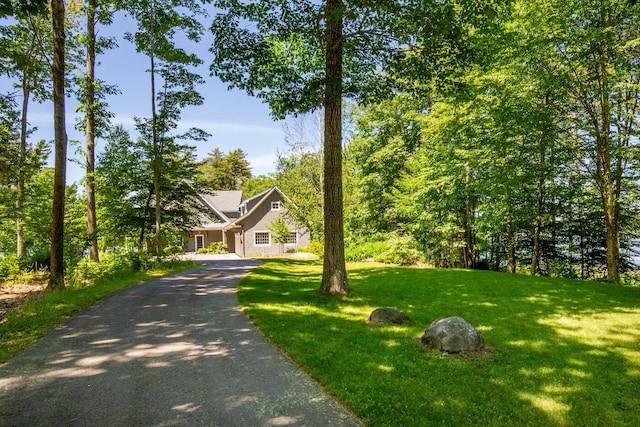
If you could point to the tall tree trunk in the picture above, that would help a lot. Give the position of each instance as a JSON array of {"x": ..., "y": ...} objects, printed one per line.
[
  {"x": 537, "y": 228},
  {"x": 21, "y": 249},
  {"x": 607, "y": 187},
  {"x": 56, "y": 278},
  {"x": 469, "y": 235},
  {"x": 156, "y": 163},
  {"x": 511, "y": 241},
  {"x": 92, "y": 227},
  {"x": 610, "y": 218},
  {"x": 334, "y": 275}
]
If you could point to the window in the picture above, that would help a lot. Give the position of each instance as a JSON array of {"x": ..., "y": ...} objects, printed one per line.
[
  {"x": 292, "y": 238},
  {"x": 275, "y": 206},
  {"x": 262, "y": 238}
]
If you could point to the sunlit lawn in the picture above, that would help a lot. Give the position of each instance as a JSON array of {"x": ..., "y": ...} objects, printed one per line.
[{"x": 562, "y": 352}]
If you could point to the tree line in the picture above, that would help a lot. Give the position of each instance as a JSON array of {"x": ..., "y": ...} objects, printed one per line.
[{"x": 485, "y": 134}]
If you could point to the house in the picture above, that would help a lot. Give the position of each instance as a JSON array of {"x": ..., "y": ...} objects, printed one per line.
[{"x": 245, "y": 226}]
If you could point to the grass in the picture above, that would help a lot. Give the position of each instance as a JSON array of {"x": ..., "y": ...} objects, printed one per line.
[
  {"x": 38, "y": 316},
  {"x": 562, "y": 352}
]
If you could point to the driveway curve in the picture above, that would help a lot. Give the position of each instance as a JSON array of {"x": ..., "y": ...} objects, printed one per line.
[{"x": 173, "y": 351}]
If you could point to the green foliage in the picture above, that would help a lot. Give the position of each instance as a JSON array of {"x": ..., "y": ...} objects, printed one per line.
[
  {"x": 215, "y": 248},
  {"x": 139, "y": 260},
  {"x": 364, "y": 250},
  {"x": 552, "y": 343},
  {"x": 87, "y": 272},
  {"x": 401, "y": 250},
  {"x": 22, "y": 8},
  {"x": 9, "y": 268},
  {"x": 124, "y": 180},
  {"x": 279, "y": 230},
  {"x": 315, "y": 247},
  {"x": 225, "y": 172},
  {"x": 257, "y": 184}
]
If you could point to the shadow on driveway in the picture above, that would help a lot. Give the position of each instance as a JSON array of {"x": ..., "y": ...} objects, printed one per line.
[{"x": 171, "y": 351}]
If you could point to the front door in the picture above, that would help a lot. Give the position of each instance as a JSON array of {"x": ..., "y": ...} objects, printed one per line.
[{"x": 199, "y": 241}]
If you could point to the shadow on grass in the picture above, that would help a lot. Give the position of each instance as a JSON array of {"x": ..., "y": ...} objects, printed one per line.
[{"x": 564, "y": 352}]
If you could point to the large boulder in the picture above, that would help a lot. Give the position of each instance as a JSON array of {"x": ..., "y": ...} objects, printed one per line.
[
  {"x": 388, "y": 315},
  {"x": 452, "y": 335}
]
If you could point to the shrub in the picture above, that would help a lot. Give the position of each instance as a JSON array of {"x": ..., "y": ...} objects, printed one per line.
[
  {"x": 362, "y": 250},
  {"x": 87, "y": 272},
  {"x": 214, "y": 248},
  {"x": 139, "y": 261},
  {"x": 316, "y": 248},
  {"x": 9, "y": 267},
  {"x": 401, "y": 250},
  {"x": 172, "y": 250}
]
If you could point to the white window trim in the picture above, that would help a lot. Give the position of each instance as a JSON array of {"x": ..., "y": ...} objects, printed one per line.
[
  {"x": 297, "y": 237},
  {"x": 264, "y": 245},
  {"x": 196, "y": 240},
  {"x": 276, "y": 208}
]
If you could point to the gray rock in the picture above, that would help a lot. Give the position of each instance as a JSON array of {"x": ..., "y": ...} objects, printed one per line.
[
  {"x": 452, "y": 335},
  {"x": 388, "y": 315}
]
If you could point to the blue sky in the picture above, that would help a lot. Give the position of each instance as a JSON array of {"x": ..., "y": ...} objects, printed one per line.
[{"x": 233, "y": 119}]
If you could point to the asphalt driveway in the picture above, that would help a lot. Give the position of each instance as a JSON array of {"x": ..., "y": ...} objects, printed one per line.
[{"x": 172, "y": 351}]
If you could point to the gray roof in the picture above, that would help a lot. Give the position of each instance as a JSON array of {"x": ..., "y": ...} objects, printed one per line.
[{"x": 224, "y": 201}]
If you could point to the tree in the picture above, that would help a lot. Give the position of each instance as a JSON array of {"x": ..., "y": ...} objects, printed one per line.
[
  {"x": 158, "y": 23},
  {"x": 257, "y": 184},
  {"x": 298, "y": 56},
  {"x": 22, "y": 8},
  {"x": 299, "y": 171},
  {"x": 225, "y": 172},
  {"x": 56, "y": 278},
  {"x": 280, "y": 231},
  {"x": 126, "y": 188},
  {"x": 26, "y": 45},
  {"x": 96, "y": 116},
  {"x": 591, "y": 52}
]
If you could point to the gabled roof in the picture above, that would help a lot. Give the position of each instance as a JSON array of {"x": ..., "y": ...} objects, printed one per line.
[
  {"x": 224, "y": 201},
  {"x": 262, "y": 196}
]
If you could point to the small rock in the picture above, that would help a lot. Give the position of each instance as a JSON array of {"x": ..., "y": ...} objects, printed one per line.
[
  {"x": 452, "y": 335},
  {"x": 388, "y": 315}
]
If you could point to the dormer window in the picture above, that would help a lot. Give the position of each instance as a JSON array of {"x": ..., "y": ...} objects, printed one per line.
[{"x": 275, "y": 206}]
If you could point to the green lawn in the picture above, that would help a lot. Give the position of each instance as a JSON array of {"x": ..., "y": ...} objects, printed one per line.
[{"x": 562, "y": 353}]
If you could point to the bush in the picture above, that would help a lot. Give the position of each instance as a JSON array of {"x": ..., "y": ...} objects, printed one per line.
[
  {"x": 139, "y": 261},
  {"x": 172, "y": 250},
  {"x": 214, "y": 248},
  {"x": 9, "y": 268},
  {"x": 361, "y": 250},
  {"x": 401, "y": 250},
  {"x": 87, "y": 272},
  {"x": 316, "y": 248}
]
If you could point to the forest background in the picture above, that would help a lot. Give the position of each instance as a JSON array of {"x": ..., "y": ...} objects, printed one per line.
[{"x": 508, "y": 141}]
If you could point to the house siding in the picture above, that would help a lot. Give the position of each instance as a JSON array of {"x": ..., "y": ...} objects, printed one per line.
[
  {"x": 240, "y": 237},
  {"x": 260, "y": 221},
  {"x": 210, "y": 236}
]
